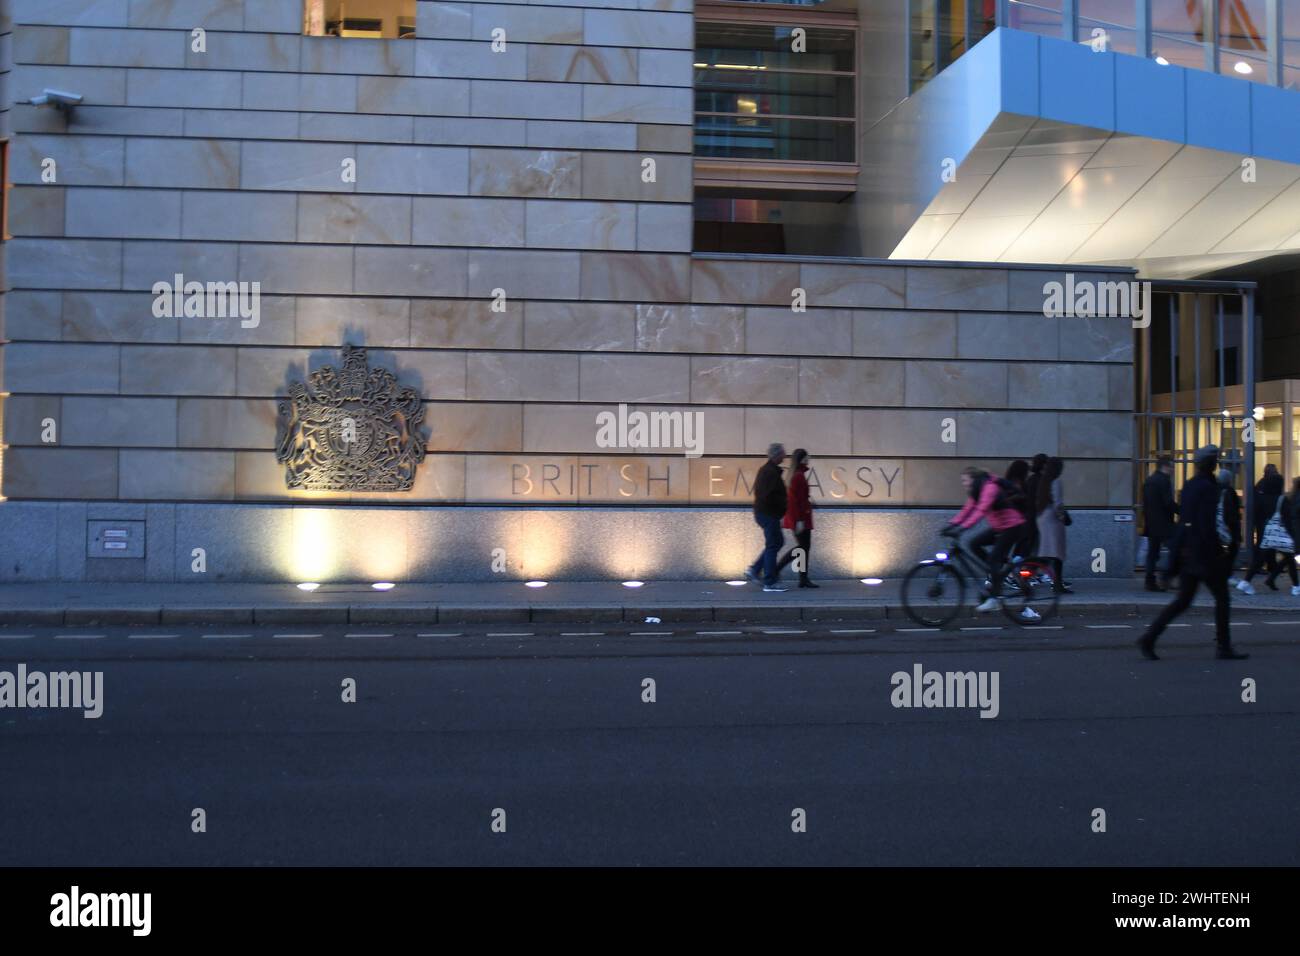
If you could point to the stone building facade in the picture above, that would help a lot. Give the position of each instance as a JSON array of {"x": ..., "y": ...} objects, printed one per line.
[{"x": 510, "y": 234}]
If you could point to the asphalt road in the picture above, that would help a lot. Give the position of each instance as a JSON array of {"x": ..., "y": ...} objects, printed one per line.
[{"x": 749, "y": 723}]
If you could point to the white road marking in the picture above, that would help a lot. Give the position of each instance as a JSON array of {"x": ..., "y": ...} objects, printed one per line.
[
  {"x": 208, "y": 637},
  {"x": 295, "y": 635},
  {"x": 1265, "y": 622},
  {"x": 15, "y": 637},
  {"x": 651, "y": 634},
  {"x": 1179, "y": 625},
  {"x": 151, "y": 637},
  {"x": 915, "y": 630},
  {"x": 77, "y": 637},
  {"x": 367, "y": 635},
  {"x": 1047, "y": 627},
  {"x": 510, "y": 634},
  {"x": 859, "y": 630},
  {"x": 983, "y": 629},
  {"x": 441, "y": 634},
  {"x": 582, "y": 634},
  {"x": 718, "y": 633},
  {"x": 1108, "y": 627},
  {"x": 784, "y": 631}
]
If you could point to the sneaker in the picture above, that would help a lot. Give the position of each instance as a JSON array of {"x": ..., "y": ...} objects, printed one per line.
[
  {"x": 774, "y": 587},
  {"x": 990, "y": 604},
  {"x": 751, "y": 576},
  {"x": 1029, "y": 614},
  {"x": 1295, "y": 591},
  {"x": 1233, "y": 581},
  {"x": 1245, "y": 587}
]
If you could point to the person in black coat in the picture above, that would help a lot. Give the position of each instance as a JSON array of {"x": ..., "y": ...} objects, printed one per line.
[
  {"x": 1231, "y": 514},
  {"x": 769, "y": 509},
  {"x": 1036, "y": 467},
  {"x": 1267, "y": 492},
  {"x": 1291, "y": 522},
  {"x": 1201, "y": 557},
  {"x": 1158, "y": 513}
]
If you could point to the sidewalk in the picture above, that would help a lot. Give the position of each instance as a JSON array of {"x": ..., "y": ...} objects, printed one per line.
[{"x": 511, "y": 602}]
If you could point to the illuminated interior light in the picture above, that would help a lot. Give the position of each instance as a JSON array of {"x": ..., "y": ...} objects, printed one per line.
[
  {"x": 873, "y": 581},
  {"x": 308, "y": 586},
  {"x": 383, "y": 585},
  {"x": 1242, "y": 67},
  {"x": 534, "y": 584},
  {"x": 1162, "y": 61},
  {"x": 737, "y": 584},
  {"x": 633, "y": 584}
]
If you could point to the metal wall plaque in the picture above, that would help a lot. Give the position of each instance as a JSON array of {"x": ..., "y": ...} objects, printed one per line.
[
  {"x": 115, "y": 539},
  {"x": 350, "y": 429}
]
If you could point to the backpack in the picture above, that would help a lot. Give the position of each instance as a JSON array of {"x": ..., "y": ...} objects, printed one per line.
[{"x": 1007, "y": 495}]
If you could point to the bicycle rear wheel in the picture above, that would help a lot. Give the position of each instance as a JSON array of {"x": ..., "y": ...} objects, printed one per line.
[
  {"x": 1030, "y": 597},
  {"x": 933, "y": 593}
]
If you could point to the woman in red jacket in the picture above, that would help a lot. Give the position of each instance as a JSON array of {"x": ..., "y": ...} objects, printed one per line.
[{"x": 798, "y": 517}]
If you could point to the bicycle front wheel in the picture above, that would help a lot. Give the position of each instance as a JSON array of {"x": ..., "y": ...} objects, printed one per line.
[
  {"x": 1029, "y": 596},
  {"x": 933, "y": 593}
]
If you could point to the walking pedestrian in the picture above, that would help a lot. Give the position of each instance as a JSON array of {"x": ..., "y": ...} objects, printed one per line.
[
  {"x": 1229, "y": 507},
  {"x": 1201, "y": 559},
  {"x": 1017, "y": 477},
  {"x": 1052, "y": 520},
  {"x": 1268, "y": 490},
  {"x": 799, "y": 518},
  {"x": 1036, "y": 466},
  {"x": 769, "y": 509},
  {"x": 1158, "y": 513},
  {"x": 1289, "y": 515}
]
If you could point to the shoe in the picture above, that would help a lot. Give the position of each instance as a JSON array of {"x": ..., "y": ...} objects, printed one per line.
[
  {"x": 1245, "y": 588},
  {"x": 1295, "y": 591},
  {"x": 808, "y": 584},
  {"x": 1233, "y": 581},
  {"x": 1224, "y": 652},
  {"x": 1029, "y": 614},
  {"x": 750, "y": 575},
  {"x": 774, "y": 587},
  {"x": 990, "y": 604},
  {"x": 1065, "y": 589},
  {"x": 1147, "y": 646}
]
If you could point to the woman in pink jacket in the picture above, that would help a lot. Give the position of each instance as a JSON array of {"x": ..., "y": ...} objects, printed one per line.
[{"x": 992, "y": 500}]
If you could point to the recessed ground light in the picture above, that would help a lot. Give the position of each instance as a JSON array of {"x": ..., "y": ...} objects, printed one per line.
[
  {"x": 873, "y": 581},
  {"x": 1242, "y": 67},
  {"x": 1162, "y": 61},
  {"x": 633, "y": 584},
  {"x": 308, "y": 586},
  {"x": 737, "y": 584},
  {"x": 383, "y": 585},
  {"x": 534, "y": 584}
]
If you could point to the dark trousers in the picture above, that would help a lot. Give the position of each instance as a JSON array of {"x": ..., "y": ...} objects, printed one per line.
[
  {"x": 1153, "y": 558},
  {"x": 1188, "y": 582},
  {"x": 1288, "y": 565},
  {"x": 1003, "y": 542},
  {"x": 1260, "y": 558},
  {"x": 765, "y": 564},
  {"x": 803, "y": 539}
]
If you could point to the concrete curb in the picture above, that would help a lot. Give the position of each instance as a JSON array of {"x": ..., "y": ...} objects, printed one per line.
[{"x": 573, "y": 613}]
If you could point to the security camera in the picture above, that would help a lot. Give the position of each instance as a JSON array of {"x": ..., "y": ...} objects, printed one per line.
[{"x": 59, "y": 99}]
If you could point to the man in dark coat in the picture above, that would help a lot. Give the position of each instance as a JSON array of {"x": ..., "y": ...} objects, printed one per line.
[
  {"x": 1202, "y": 558},
  {"x": 1268, "y": 492},
  {"x": 1158, "y": 511},
  {"x": 769, "y": 509}
]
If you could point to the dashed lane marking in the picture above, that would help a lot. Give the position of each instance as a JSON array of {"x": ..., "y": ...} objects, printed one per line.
[
  {"x": 441, "y": 634},
  {"x": 651, "y": 634},
  {"x": 367, "y": 635},
  {"x": 983, "y": 629},
  {"x": 215, "y": 637},
  {"x": 15, "y": 637},
  {"x": 916, "y": 630},
  {"x": 582, "y": 634},
  {"x": 151, "y": 637},
  {"x": 784, "y": 631},
  {"x": 854, "y": 630},
  {"x": 77, "y": 637},
  {"x": 1108, "y": 627},
  {"x": 718, "y": 633},
  {"x": 510, "y": 634},
  {"x": 292, "y": 636}
]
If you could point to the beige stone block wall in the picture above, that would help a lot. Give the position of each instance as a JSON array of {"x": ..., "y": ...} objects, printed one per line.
[{"x": 503, "y": 248}]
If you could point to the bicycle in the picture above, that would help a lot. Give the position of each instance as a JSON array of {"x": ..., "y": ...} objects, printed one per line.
[{"x": 934, "y": 592}]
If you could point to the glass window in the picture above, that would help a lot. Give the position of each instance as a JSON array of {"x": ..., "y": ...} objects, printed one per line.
[
  {"x": 1178, "y": 32},
  {"x": 1243, "y": 47},
  {"x": 1114, "y": 21},
  {"x": 1291, "y": 45},
  {"x": 757, "y": 98},
  {"x": 939, "y": 34},
  {"x": 369, "y": 19},
  {"x": 1036, "y": 16}
]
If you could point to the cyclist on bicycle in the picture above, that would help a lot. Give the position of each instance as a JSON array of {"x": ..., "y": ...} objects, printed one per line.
[{"x": 994, "y": 500}]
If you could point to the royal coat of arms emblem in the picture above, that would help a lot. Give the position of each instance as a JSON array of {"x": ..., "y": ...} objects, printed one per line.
[{"x": 350, "y": 429}]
